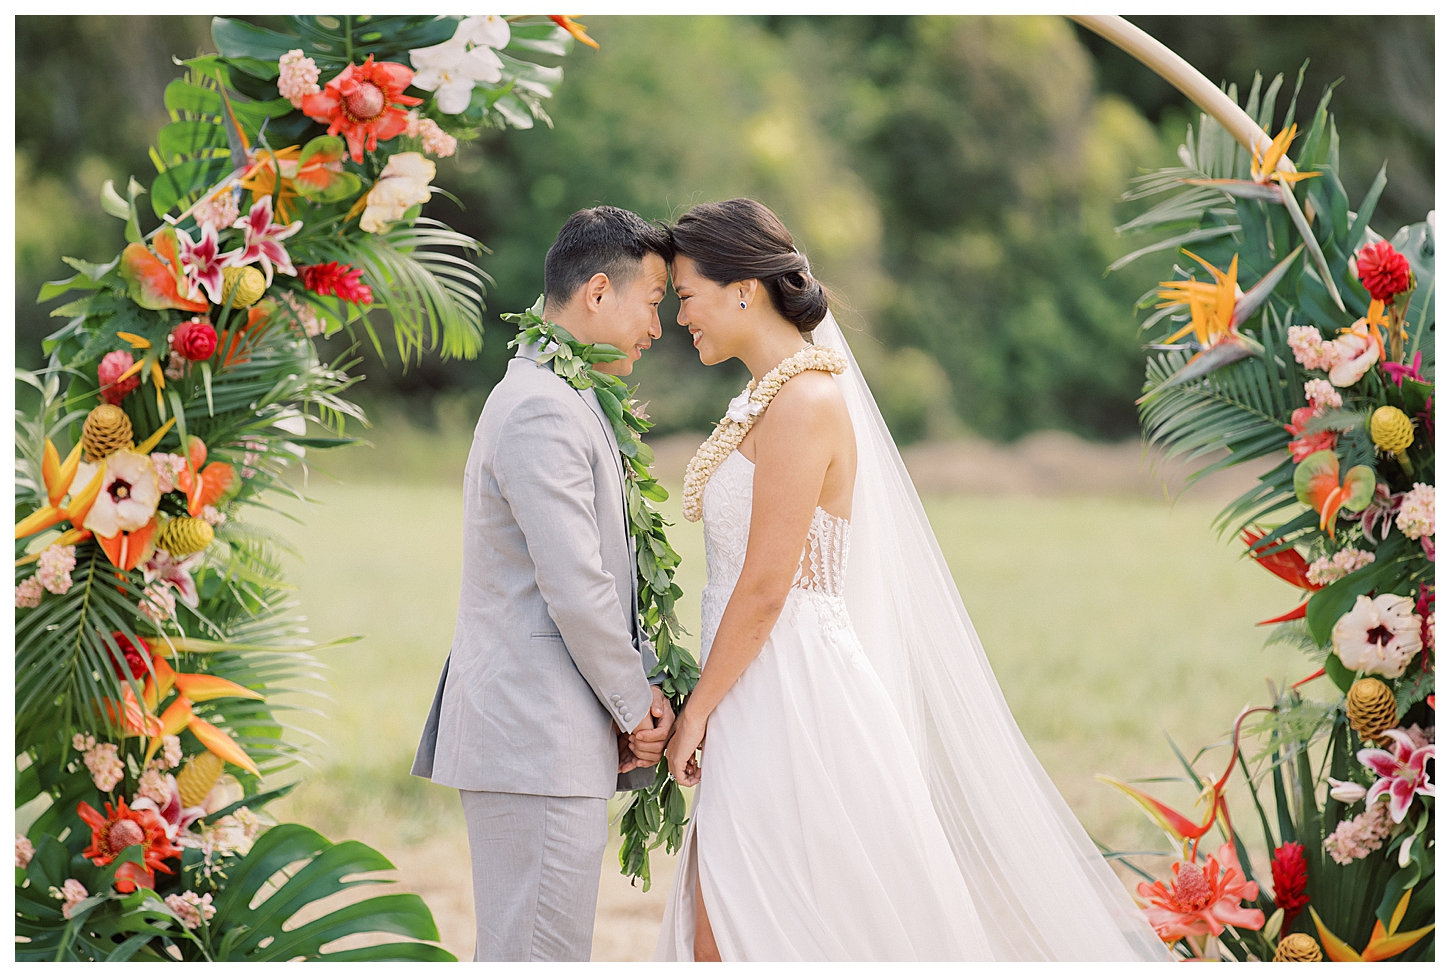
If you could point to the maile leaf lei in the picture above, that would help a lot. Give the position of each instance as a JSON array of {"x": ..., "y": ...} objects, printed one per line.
[{"x": 655, "y": 815}]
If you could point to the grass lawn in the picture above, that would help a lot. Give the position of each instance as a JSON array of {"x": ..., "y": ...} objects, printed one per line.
[{"x": 1109, "y": 622}]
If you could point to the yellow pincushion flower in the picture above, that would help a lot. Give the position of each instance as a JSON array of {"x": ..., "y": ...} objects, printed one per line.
[{"x": 1391, "y": 430}]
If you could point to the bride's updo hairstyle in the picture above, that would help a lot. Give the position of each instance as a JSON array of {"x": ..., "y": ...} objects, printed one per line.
[{"x": 737, "y": 240}]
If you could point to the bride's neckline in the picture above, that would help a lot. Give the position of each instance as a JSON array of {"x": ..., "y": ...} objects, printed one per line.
[{"x": 738, "y": 454}]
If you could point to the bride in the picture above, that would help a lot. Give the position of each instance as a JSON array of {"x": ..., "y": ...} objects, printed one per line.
[{"x": 864, "y": 793}]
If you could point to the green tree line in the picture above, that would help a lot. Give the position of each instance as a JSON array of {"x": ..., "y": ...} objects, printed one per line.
[{"x": 954, "y": 180}]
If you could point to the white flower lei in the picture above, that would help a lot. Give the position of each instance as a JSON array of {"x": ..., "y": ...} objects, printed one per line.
[{"x": 740, "y": 417}]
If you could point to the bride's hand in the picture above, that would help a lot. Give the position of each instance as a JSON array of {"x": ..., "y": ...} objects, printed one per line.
[{"x": 688, "y": 737}]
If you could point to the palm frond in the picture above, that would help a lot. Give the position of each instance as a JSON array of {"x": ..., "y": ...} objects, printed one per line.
[
  {"x": 435, "y": 299},
  {"x": 64, "y": 649},
  {"x": 1239, "y": 411}
]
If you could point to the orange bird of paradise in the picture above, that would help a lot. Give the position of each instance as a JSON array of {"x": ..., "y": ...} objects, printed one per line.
[
  {"x": 1180, "y": 827},
  {"x": 1383, "y": 944},
  {"x": 575, "y": 28}
]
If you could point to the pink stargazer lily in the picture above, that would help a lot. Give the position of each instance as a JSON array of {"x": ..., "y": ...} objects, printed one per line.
[
  {"x": 169, "y": 570},
  {"x": 175, "y": 817},
  {"x": 202, "y": 261},
  {"x": 263, "y": 240},
  {"x": 1401, "y": 773}
]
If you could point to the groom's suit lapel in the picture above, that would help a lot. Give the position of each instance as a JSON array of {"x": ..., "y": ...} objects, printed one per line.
[{"x": 592, "y": 399}]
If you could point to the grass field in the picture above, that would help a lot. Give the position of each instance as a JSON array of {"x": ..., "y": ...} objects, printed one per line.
[{"x": 1109, "y": 622}]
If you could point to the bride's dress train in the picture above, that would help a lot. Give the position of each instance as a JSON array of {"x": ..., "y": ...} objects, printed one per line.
[
  {"x": 813, "y": 831},
  {"x": 865, "y": 792}
]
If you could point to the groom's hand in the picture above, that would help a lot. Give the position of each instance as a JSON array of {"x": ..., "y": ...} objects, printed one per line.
[
  {"x": 627, "y": 760},
  {"x": 647, "y": 742}
]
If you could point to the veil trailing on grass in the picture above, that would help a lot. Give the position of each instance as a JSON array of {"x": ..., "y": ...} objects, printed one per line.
[{"x": 1040, "y": 885}]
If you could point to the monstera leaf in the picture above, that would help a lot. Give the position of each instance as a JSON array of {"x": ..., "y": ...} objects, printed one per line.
[
  {"x": 315, "y": 869},
  {"x": 297, "y": 865}
]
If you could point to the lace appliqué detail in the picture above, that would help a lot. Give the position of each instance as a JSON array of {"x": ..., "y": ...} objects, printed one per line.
[
  {"x": 822, "y": 573},
  {"x": 820, "y": 580}
]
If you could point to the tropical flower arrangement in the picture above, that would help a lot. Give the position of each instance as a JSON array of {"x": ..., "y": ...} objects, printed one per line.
[
  {"x": 155, "y": 641},
  {"x": 1319, "y": 368}
]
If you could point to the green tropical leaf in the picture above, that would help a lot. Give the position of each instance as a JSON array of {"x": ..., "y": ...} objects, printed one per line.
[
  {"x": 239, "y": 39},
  {"x": 435, "y": 299},
  {"x": 250, "y": 923}
]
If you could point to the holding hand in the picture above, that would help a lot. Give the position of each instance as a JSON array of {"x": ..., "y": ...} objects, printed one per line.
[
  {"x": 681, "y": 752},
  {"x": 645, "y": 746},
  {"x": 647, "y": 742}
]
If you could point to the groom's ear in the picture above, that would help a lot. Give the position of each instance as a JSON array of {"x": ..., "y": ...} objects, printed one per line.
[{"x": 595, "y": 289}]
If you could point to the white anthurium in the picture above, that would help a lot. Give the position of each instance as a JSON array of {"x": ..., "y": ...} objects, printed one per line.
[
  {"x": 402, "y": 184},
  {"x": 451, "y": 69},
  {"x": 129, "y": 493}
]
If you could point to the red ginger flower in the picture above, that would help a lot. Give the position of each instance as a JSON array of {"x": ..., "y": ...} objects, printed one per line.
[
  {"x": 1201, "y": 900},
  {"x": 195, "y": 339},
  {"x": 118, "y": 830},
  {"x": 1291, "y": 878},
  {"x": 362, "y": 103},
  {"x": 334, "y": 278},
  {"x": 134, "y": 658},
  {"x": 1383, "y": 271},
  {"x": 113, "y": 365}
]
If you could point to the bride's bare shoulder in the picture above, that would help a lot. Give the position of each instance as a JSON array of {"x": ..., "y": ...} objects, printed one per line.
[{"x": 809, "y": 402}]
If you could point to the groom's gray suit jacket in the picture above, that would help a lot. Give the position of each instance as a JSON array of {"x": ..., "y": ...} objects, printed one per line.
[{"x": 547, "y": 649}]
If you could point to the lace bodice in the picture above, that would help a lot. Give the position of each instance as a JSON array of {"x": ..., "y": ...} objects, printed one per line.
[{"x": 820, "y": 578}]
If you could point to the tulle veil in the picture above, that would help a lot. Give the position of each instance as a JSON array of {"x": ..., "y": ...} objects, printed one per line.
[{"x": 1041, "y": 887}]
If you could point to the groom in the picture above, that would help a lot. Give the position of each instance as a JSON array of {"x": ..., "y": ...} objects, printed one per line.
[{"x": 545, "y": 708}]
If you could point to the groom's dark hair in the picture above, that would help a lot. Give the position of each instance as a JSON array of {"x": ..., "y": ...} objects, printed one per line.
[{"x": 605, "y": 239}]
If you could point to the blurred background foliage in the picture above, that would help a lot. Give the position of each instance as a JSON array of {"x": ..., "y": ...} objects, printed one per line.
[{"x": 955, "y": 181}]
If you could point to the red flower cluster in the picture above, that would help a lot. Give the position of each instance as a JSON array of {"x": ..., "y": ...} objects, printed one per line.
[
  {"x": 135, "y": 659},
  {"x": 1291, "y": 878},
  {"x": 1202, "y": 899},
  {"x": 194, "y": 339},
  {"x": 1303, "y": 444},
  {"x": 1383, "y": 271},
  {"x": 334, "y": 278},
  {"x": 113, "y": 364},
  {"x": 363, "y": 103},
  {"x": 119, "y": 829}
]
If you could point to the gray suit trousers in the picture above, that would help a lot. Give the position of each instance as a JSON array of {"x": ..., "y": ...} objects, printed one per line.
[{"x": 536, "y": 862}]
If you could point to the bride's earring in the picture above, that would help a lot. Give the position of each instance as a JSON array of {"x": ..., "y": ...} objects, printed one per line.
[{"x": 742, "y": 305}]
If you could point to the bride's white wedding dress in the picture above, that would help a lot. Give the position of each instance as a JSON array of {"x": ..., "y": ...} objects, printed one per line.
[
  {"x": 813, "y": 831},
  {"x": 865, "y": 793}
]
